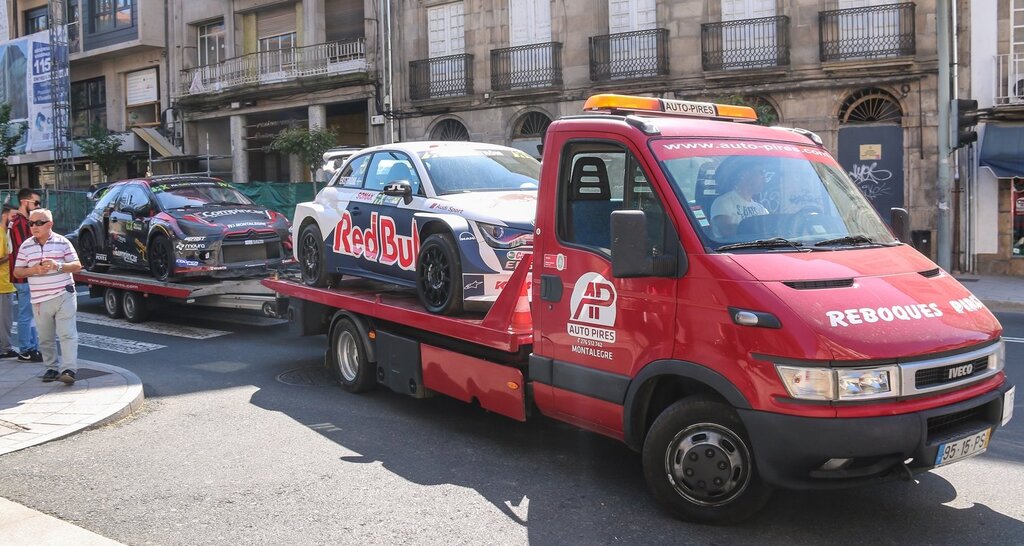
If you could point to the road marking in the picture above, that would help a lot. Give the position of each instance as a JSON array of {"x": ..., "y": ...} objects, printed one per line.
[
  {"x": 116, "y": 344},
  {"x": 164, "y": 328},
  {"x": 1014, "y": 339}
]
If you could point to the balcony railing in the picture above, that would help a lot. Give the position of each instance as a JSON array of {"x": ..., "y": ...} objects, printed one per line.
[
  {"x": 636, "y": 54},
  {"x": 867, "y": 33},
  {"x": 746, "y": 43},
  {"x": 440, "y": 77},
  {"x": 266, "y": 67},
  {"x": 526, "y": 67},
  {"x": 1009, "y": 82}
]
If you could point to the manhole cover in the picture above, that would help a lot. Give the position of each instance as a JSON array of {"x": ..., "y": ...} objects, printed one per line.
[{"x": 307, "y": 377}]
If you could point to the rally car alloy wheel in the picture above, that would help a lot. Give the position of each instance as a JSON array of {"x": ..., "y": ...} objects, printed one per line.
[
  {"x": 161, "y": 258},
  {"x": 698, "y": 463},
  {"x": 350, "y": 365},
  {"x": 89, "y": 250},
  {"x": 311, "y": 257},
  {"x": 439, "y": 275}
]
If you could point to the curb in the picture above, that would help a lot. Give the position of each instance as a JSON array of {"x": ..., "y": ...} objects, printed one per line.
[{"x": 131, "y": 403}]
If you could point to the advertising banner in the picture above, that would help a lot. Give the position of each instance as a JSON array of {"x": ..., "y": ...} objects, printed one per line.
[{"x": 25, "y": 85}]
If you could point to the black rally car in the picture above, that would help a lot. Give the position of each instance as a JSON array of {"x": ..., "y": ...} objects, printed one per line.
[{"x": 181, "y": 226}]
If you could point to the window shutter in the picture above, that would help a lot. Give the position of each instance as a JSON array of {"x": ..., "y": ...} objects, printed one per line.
[
  {"x": 344, "y": 20},
  {"x": 275, "y": 21}
]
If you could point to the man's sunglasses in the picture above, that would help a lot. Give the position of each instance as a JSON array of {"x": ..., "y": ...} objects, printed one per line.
[
  {"x": 38, "y": 222},
  {"x": 36, "y": 202}
]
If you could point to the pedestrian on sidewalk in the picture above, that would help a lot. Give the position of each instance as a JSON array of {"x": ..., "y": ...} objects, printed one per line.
[
  {"x": 6, "y": 287},
  {"x": 47, "y": 260},
  {"x": 18, "y": 231}
]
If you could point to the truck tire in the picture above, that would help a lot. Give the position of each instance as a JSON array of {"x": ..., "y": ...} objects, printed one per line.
[
  {"x": 312, "y": 261},
  {"x": 698, "y": 463},
  {"x": 348, "y": 359},
  {"x": 87, "y": 240},
  {"x": 136, "y": 308},
  {"x": 112, "y": 303},
  {"x": 439, "y": 275}
]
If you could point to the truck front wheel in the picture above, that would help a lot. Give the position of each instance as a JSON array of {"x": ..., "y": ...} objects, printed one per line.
[
  {"x": 698, "y": 463},
  {"x": 354, "y": 372}
]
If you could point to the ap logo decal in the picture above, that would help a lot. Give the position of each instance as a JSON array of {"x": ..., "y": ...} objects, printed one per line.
[{"x": 593, "y": 300}]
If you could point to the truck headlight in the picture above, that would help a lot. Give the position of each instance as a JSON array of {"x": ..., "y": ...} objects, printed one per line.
[
  {"x": 865, "y": 383},
  {"x": 505, "y": 237},
  {"x": 839, "y": 384},
  {"x": 1000, "y": 355}
]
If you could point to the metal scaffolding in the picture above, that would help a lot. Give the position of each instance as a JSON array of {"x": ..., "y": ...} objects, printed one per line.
[{"x": 60, "y": 94}]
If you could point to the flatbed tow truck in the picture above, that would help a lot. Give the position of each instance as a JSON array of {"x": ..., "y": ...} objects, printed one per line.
[
  {"x": 133, "y": 296},
  {"x": 808, "y": 347}
]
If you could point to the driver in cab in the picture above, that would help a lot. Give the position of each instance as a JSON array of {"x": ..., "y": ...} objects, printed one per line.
[{"x": 746, "y": 176}]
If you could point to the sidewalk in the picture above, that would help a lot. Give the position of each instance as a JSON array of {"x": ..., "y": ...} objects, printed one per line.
[
  {"x": 33, "y": 412},
  {"x": 999, "y": 293}
]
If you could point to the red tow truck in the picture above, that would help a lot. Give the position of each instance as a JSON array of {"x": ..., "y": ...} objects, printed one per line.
[{"x": 715, "y": 294}]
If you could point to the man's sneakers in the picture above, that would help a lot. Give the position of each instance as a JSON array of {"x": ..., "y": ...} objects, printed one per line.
[
  {"x": 9, "y": 354},
  {"x": 50, "y": 376},
  {"x": 30, "y": 356},
  {"x": 67, "y": 377}
]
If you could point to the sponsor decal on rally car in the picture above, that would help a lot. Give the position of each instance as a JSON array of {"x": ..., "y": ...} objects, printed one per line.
[{"x": 380, "y": 242}]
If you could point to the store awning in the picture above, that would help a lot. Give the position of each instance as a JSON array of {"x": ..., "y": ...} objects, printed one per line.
[
  {"x": 1002, "y": 150},
  {"x": 157, "y": 141}
]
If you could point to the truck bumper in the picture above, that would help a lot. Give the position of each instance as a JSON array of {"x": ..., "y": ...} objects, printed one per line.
[{"x": 790, "y": 451}]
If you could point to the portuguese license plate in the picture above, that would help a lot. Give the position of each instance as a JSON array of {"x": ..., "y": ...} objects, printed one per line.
[
  {"x": 956, "y": 450},
  {"x": 1008, "y": 405}
]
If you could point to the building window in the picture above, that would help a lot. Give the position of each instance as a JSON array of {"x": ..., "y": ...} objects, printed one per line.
[
  {"x": 449, "y": 129},
  {"x": 211, "y": 43},
  {"x": 108, "y": 15},
  {"x": 37, "y": 20},
  {"x": 870, "y": 106},
  {"x": 278, "y": 43},
  {"x": 88, "y": 106}
]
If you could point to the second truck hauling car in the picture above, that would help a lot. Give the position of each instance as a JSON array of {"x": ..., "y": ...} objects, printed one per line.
[{"x": 740, "y": 345}]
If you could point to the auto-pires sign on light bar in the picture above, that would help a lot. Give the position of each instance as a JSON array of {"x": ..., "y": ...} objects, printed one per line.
[{"x": 654, "y": 105}]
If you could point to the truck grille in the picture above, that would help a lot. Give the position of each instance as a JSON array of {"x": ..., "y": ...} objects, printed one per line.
[
  {"x": 941, "y": 426},
  {"x": 937, "y": 376}
]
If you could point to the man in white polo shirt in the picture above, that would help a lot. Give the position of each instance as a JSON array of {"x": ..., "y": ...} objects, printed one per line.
[{"x": 47, "y": 260}]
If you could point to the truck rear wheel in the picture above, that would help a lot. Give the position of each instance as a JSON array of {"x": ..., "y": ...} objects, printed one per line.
[
  {"x": 353, "y": 371},
  {"x": 698, "y": 463},
  {"x": 136, "y": 308},
  {"x": 112, "y": 303}
]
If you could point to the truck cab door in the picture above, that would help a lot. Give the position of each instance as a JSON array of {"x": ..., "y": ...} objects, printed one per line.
[{"x": 595, "y": 330}]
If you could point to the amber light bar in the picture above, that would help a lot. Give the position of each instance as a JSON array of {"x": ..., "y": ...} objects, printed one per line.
[{"x": 654, "y": 105}]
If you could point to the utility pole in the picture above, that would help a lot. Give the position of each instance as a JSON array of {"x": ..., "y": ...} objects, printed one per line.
[
  {"x": 60, "y": 94},
  {"x": 943, "y": 239}
]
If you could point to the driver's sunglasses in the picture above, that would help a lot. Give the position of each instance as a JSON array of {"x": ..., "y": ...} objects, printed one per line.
[
  {"x": 36, "y": 202},
  {"x": 35, "y": 223}
]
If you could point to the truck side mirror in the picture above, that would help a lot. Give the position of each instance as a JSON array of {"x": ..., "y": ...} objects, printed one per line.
[
  {"x": 631, "y": 256},
  {"x": 399, "y": 188},
  {"x": 900, "y": 222}
]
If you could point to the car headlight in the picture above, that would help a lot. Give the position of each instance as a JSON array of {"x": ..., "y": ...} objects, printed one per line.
[
  {"x": 839, "y": 384},
  {"x": 505, "y": 237},
  {"x": 1000, "y": 355}
]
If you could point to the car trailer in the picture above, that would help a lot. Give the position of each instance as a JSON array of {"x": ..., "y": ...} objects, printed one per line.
[{"x": 133, "y": 296}]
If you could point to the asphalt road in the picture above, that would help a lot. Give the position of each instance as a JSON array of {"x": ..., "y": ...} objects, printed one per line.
[{"x": 225, "y": 453}]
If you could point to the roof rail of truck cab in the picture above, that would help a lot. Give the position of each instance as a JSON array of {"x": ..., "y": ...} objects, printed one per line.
[{"x": 610, "y": 103}]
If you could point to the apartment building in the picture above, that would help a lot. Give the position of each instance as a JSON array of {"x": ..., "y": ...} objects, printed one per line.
[
  {"x": 991, "y": 50},
  {"x": 118, "y": 74},
  {"x": 860, "y": 73},
  {"x": 247, "y": 69}
]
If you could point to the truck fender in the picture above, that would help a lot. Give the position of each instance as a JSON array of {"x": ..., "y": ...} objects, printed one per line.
[
  {"x": 361, "y": 325},
  {"x": 635, "y": 407}
]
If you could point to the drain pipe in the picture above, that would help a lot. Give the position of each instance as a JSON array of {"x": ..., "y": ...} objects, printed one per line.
[{"x": 942, "y": 185}]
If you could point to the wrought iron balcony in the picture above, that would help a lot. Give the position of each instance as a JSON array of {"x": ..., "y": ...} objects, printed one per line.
[
  {"x": 1009, "y": 80},
  {"x": 266, "y": 67},
  {"x": 746, "y": 43},
  {"x": 526, "y": 67},
  {"x": 440, "y": 77},
  {"x": 867, "y": 33},
  {"x": 636, "y": 54}
]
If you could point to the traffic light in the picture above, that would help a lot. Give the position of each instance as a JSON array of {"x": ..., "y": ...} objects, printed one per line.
[{"x": 966, "y": 113}]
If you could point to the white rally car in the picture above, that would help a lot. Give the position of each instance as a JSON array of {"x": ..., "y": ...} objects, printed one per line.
[{"x": 452, "y": 219}]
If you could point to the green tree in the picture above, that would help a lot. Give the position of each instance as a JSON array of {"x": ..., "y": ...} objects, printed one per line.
[
  {"x": 10, "y": 134},
  {"x": 308, "y": 144},
  {"x": 103, "y": 147}
]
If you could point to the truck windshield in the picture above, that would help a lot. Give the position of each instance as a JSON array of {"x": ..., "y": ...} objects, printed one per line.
[
  {"x": 482, "y": 169},
  {"x": 761, "y": 196}
]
